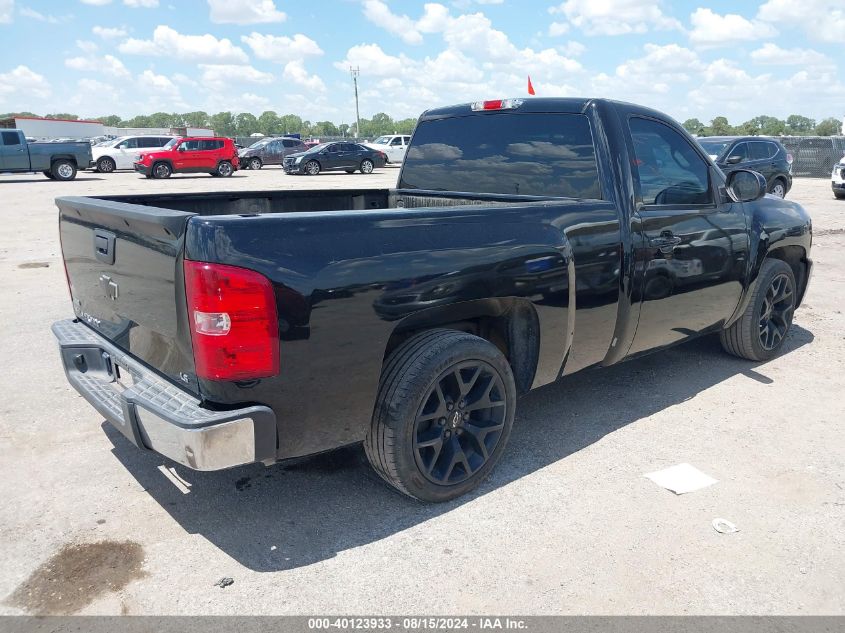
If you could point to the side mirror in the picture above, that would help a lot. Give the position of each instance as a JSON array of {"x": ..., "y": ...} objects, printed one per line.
[
  {"x": 733, "y": 160},
  {"x": 745, "y": 185}
]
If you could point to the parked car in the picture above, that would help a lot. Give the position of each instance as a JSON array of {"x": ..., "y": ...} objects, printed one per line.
[
  {"x": 763, "y": 155},
  {"x": 837, "y": 179},
  {"x": 215, "y": 156},
  {"x": 333, "y": 156},
  {"x": 393, "y": 146},
  {"x": 57, "y": 161},
  {"x": 525, "y": 241},
  {"x": 121, "y": 153},
  {"x": 269, "y": 151}
]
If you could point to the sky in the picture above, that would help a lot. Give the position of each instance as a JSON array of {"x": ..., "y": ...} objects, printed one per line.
[{"x": 695, "y": 58}]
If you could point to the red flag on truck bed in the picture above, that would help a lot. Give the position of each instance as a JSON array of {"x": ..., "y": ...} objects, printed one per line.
[{"x": 530, "y": 87}]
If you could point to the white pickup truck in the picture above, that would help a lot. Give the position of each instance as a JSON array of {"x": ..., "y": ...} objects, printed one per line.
[
  {"x": 837, "y": 179},
  {"x": 394, "y": 145}
]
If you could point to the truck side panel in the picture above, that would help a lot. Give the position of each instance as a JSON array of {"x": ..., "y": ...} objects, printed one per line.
[{"x": 345, "y": 282}]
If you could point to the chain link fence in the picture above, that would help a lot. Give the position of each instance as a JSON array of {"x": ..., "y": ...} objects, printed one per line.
[{"x": 814, "y": 156}]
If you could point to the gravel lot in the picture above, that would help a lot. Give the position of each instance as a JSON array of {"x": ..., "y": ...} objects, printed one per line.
[{"x": 567, "y": 524}]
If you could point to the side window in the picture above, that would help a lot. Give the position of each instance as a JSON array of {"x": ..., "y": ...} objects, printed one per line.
[
  {"x": 670, "y": 171},
  {"x": 334, "y": 148},
  {"x": 150, "y": 141},
  {"x": 130, "y": 143},
  {"x": 191, "y": 146},
  {"x": 288, "y": 143},
  {"x": 397, "y": 141},
  {"x": 208, "y": 146},
  {"x": 406, "y": 139},
  {"x": 760, "y": 150},
  {"x": 11, "y": 138},
  {"x": 773, "y": 150},
  {"x": 741, "y": 151}
]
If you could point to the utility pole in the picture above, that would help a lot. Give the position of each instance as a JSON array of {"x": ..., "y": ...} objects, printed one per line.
[{"x": 355, "y": 72}]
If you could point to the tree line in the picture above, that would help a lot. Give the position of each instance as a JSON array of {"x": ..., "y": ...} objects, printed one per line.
[
  {"x": 794, "y": 125},
  {"x": 271, "y": 124},
  {"x": 268, "y": 123}
]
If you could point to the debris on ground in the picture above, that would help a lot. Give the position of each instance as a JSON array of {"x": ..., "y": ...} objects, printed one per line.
[
  {"x": 681, "y": 478},
  {"x": 723, "y": 526},
  {"x": 224, "y": 582}
]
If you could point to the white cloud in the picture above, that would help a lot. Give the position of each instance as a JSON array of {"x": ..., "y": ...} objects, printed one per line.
[
  {"x": 108, "y": 65},
  {"x": 280, "y": 48},
  {"x": 23, "y": 83},
  {"x": 35, "y": 15},
  {"x": 148, "y": 80},
  {"x": 87, "y": 46},
  {"x": 7, "y": 11},
  {"x": 168, "y": 42},
  {"x": 616, "y": 17},
  {"x": 822, "y": 20},
  {"x": 572, "y": 49},
  {"x": 556, "y": 29},
  {"x": 658, "y": 72},
  {"x": 109, "y": 33},
  {"x": 711, "y": 29},
  {"x": 434, "y": 19},
  {"x": 772, "y": 54},
  {"x": 96, "y": 3},
  {"x": 245, "y": 12},
  {"x": 295, "y": 72},
  {"x": 222, "y": 76},
  {"x": 141, "y": 4}
]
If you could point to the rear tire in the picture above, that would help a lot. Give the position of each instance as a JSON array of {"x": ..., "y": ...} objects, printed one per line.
[
  {"x": 778, "y": 188},
  {"x": 838, "y": 195},
  {"x": 367, "y": 166},
  {"x": 63, "y": 169},
  {"x": 106, "y": 165},
  {"x": 225, "y": 169},
  {"x": 161, "y": 170},
  {"x": 443, "y": 415},
  {"x": 761, "y": 330}
]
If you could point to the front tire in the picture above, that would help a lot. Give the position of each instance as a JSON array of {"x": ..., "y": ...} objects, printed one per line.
[
  {"x": 49, "y": 174},
  {"x": 161, "y": 170},
  {"x": 838, "y": 195},
  {"x": 443, "y": 415},
  {"x": 761, "y": 330},
  {"x": 312, "y": 168},
  {"x": 367, "y": 166},
  {"x": 63, "y": 169},
  {"x": 255, "y": 164},
  {"x": 106, "y": 165}
]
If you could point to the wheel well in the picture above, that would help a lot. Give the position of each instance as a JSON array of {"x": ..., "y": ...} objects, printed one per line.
[
  {"x": 509, "y": 324},
  {"x": 160, "y": 161},
  {"x": 70, "y": 159},
  {"x": 794, "y": 256}
]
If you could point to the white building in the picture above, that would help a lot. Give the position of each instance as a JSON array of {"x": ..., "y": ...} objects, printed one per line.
[{"x": 40, "y": 128}]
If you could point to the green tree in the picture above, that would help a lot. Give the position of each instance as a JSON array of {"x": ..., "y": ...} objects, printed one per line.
[
  {"x": 799, "y": 125},
  {"x": 343, "y": 129},
  {"x": 196, "y": 119},
  {"x": 268, "y": 123},
  {"x": 160, "y": 119},
  {"x": 290, "y": 124},
  {"x": 111, "y": 120},
  {"x": 719, "y": 127},
  {"x": 223, "y": 123},
  {"x": 768, "y": 125},
  {"x": 246, "y": 124},
  {"x": 693, "y": 126},
  {"x": 828, "y": 127},
  {"x": 138, "y": 121}
]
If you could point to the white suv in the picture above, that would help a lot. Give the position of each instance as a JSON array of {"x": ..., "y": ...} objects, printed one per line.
[
  {"x": 837, "y": 179},
  {"x": 121, "y": 153},
  {"x": 394, "y": 146}
]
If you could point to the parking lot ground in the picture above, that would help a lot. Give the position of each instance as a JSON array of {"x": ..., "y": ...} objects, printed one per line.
[{"x": 567, "y": 524}]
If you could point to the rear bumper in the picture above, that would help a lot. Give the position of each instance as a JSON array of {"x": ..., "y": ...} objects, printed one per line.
[{"x": 156, "y": 415}]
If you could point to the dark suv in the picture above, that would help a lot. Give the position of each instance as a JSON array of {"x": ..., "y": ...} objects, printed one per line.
[
  {"x": 269, "y": 151},
  {"x": 760, "y": 154}
]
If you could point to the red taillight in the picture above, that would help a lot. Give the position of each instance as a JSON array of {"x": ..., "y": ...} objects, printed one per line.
[{"x": 233, "y": 321}]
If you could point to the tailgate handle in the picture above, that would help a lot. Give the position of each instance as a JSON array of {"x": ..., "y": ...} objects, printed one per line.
[{"x": 104, "y": 246}]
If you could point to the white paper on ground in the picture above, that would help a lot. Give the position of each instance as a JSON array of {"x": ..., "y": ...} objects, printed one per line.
[{"x": 681, "y": 478}]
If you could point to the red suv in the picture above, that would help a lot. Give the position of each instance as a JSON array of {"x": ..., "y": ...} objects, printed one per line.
[{"x": 215, "y": 156}]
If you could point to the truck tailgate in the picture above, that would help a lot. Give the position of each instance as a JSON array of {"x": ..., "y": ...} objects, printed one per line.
[{"x": 124, "y": 267}]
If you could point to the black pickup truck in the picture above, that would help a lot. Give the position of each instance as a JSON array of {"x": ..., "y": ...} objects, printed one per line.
[
  {"x": 57, "y": 161},
  {"x": 526, "y": 240}
]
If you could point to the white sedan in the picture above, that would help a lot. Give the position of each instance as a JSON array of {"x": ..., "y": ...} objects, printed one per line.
[
  {"x": 394, "y": 145},
  {"x": 121, "y": 153}
]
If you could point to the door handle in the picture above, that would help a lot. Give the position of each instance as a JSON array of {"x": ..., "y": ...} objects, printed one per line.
[{"x": 666, "y": 242}]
